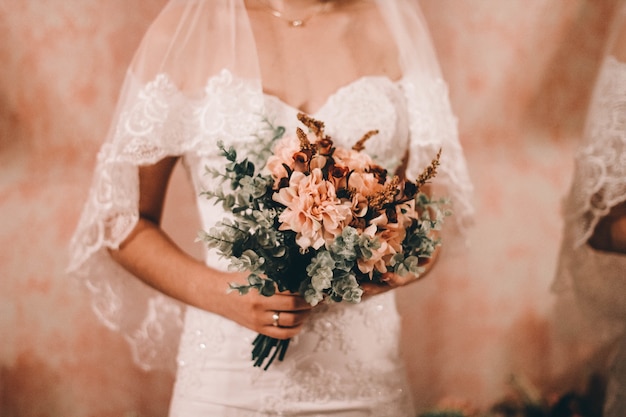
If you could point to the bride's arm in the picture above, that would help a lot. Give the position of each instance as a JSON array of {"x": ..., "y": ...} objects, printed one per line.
[{"x": 153, "y": 257}]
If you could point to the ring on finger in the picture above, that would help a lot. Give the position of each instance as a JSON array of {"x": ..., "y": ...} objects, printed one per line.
[{"x": 275, "y": 318}]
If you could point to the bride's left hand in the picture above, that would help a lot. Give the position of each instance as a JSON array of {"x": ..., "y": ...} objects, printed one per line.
[{"x": 392, "y": 280}]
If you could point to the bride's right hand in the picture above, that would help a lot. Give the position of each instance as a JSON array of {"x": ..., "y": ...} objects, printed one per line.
[
  {"x": 151, "y": 255},
  {"x": 258, "y": 312}
]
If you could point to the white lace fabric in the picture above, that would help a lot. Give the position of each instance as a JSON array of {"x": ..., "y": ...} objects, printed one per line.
[
  {"x": 599, "y": 184},
  {"x": 600, "y": 181},
  {"x": 159, "y": 121},
  {"x": 334, "y": 366}
]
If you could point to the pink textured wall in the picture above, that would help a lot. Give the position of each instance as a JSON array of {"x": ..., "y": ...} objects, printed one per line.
[
  {"x": 62, "y": 65},
  {"x": 520, "y": 74}
]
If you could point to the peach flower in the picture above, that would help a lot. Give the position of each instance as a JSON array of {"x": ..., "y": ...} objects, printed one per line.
[
  {"x": 365, "y": 183},
  {"x": 390, "y": 235},
  {"x": 352, "y": 159},
  {"x": 284, "y": 151},
  {"x": 312, "y": 209},
  {"x": 377, "y": 260}
]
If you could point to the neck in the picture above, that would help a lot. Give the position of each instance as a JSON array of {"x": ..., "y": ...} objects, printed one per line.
[
  {"x": 294, "y": 6},
  {"x": 296, "y": 12}
]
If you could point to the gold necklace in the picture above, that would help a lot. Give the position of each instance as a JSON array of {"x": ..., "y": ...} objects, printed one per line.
[{"x": 296, "y": 23}]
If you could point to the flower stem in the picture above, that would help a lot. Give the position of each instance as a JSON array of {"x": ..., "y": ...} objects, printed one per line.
[{"x": 268, "y": 347}]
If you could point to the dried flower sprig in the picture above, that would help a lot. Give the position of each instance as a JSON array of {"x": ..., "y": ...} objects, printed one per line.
[
  {"x": 387, "y": 195},
  {"x": 315, "y": 126},
  {"x": 429, "y": 172},
  {"x": 360, "y": 144}
]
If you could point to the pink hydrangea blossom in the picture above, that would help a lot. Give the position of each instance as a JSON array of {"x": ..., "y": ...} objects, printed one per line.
[{"x": 312, "y": 209}]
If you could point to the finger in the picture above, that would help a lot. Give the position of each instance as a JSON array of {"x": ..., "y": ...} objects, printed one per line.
[
  {"x": 287, "y": 319},
  {"x": 288, "y": 302},
  {"x": 280, "y": 333},
  {"x": 390, "y": 279},
  {"x": 370, "y": 288},
  {"x": 287, "y": 325},
  {"x": 395, "y": 280}
]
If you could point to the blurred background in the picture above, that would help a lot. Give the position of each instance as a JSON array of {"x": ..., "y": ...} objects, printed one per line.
[{"x": 520, "y": 74}]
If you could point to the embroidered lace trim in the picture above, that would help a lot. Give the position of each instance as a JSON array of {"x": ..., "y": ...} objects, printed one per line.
[{"x": 600, "y": 173}]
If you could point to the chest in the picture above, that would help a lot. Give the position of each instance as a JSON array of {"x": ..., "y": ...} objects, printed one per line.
[
  {"x": 305, "y": 66},
  {"x": 366, "y": 104}
]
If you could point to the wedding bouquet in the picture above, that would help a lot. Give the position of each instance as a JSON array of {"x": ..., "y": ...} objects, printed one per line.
[{"x": 319, "y": 220}]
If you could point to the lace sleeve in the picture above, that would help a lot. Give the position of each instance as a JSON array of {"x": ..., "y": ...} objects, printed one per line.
[
  {"x": 433, "y": 127},
  {"x": 156, "y": 120},
  {"x": 597, "y": 278},
  {"x": 600, "y": 176},
  {"x": 149, "y": 127},
  {"x": 177, "y": 98},
  {"x": 431, "y": 120}
]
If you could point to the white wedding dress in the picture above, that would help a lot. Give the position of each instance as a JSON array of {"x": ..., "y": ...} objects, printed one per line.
[
  {"x": 346, "y": 360},
  {"x": 193, "y": 82}
]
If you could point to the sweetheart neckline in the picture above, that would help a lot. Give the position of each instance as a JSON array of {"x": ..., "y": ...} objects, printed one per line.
[{"x": 334, "y": 94}]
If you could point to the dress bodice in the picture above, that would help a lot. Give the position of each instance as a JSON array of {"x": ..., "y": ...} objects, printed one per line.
[
  {"x": 368, "y": 103},
  {"x": 335, "y": 366}
]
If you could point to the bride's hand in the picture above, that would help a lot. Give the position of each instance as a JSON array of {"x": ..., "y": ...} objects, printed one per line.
[
  {"x": 280, "y": 316},
  {"x": 392, "y": 280}
]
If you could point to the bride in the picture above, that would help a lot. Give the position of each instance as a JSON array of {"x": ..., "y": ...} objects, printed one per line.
[{"x": 217, "y": 70}]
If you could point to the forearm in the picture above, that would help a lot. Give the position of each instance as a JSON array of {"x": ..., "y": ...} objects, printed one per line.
[{"x": 150, "y": 255}]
